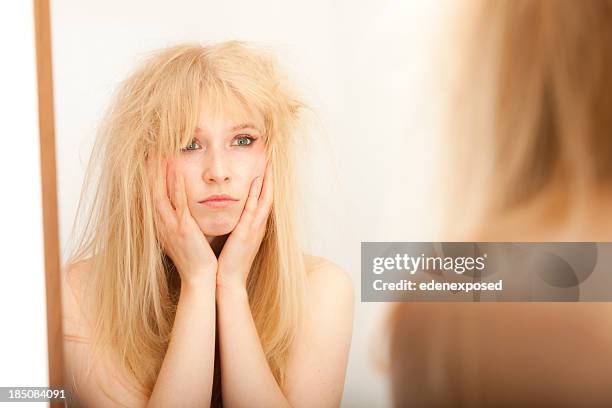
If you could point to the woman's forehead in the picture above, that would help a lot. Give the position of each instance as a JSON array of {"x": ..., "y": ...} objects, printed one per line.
[{"x": 228, "y": 112}]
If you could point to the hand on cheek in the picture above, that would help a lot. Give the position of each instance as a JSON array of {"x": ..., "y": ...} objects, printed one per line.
[
  {"x": 176, "y": 229},
  {"x": 243, "y": 243}
]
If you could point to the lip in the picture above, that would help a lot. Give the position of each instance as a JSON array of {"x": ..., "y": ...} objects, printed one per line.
[{"x": 218, "y": 200}]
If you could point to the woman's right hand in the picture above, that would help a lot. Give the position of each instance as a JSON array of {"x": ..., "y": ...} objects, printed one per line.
[{"x": 180, "y": 236}]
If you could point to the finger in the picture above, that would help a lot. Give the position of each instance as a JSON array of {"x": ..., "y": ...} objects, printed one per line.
[
  {"x": 161, "y": 208},
  {"x": 157, "y": 179},
  {"x": 268, "y": 185},
  {"x": 254, "y": 193},
  {"x": 163, "y": 180},
  {"x": 267, "y": 194},
  {"x": 171, "y": 184},
  {"x": 180, "y": 193},
  {"x": 251, "y": 205}
]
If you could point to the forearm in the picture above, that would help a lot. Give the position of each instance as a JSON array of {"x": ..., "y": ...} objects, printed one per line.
[
  {"x": 186, "y": 374},
  {"x": 247, "y": 380}
]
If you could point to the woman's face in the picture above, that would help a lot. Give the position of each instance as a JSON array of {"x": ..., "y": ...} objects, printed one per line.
[{"x": 226, "y": 154}]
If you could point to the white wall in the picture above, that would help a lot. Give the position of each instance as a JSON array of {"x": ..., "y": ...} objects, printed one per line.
[
  {"x": 23, "y": 343},
  {"x": 366, "y": 69}
]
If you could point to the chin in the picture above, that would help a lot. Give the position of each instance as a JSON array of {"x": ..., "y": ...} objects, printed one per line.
[{"x": 216, "y": 227}]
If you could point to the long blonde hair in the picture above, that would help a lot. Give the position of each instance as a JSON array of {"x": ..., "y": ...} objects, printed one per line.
[
  {"x": 133, "y": 287},
  {"x": 532, "y": 112},
  {"x": 533, "y": 108}
]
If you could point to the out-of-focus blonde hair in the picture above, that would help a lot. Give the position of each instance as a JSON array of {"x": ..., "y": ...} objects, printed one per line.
[
  {"x": 132, "y": 290},
  {"x": 533, "y": 108},
  {"x": 532, "y": 118}
]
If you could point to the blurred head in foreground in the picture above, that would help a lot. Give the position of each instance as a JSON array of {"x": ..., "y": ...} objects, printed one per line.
[
  {"x": 531, "y": 141},
  {"x": 531, "y": 156}
]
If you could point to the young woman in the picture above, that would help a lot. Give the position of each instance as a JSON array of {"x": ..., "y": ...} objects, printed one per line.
[
  {"x": 535, "y": 141},
  {"x": 188, "y": 286}
]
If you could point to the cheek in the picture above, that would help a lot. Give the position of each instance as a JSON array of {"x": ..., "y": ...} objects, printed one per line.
[
  {"x": 250, "y": 167},
  {"x": 257, "y": 162},
  {"x": 191, "y": 173}
]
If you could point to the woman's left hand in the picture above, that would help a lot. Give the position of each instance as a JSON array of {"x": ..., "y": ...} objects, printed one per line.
[{"x": 243, "y": 242}]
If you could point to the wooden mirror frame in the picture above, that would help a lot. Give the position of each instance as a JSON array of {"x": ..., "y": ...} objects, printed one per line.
[{"x": 46, "y": 124}]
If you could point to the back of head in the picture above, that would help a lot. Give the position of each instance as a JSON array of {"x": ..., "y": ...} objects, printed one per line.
[
  {"x": 531, "y": 138},
  {"x": 532, "y": 113}
]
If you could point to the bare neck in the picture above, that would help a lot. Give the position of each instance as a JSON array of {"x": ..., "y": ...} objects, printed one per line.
[{"x": 553, "y": 217}]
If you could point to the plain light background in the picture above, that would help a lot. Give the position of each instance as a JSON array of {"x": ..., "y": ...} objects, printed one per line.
[
  {"x": 23, "y": 344},
  {"x": 367, "y": 69}
]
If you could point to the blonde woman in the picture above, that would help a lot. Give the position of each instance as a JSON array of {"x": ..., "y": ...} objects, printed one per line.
[
  {"x": 188, "y": 286},
  {"x": 535, "y": 164}
]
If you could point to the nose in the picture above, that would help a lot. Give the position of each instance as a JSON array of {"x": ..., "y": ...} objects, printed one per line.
[{"x": 216, "y": 169}]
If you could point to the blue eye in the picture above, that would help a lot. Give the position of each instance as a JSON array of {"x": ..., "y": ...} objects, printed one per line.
[
  {"x": 193, "y": 145},
  {"x": 244, "y": 140}
]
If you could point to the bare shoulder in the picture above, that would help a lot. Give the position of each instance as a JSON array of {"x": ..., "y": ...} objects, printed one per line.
[
  {"x": 73, "y": 282},
  {"x": 325, "y": 278},
  {"x": 92, "y": 383},
  {"x": 75, "y": 275}
]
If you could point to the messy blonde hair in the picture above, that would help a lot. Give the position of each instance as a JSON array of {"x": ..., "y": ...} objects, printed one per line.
[
  {"x": 133, "y": 287},
  {"x": 532, "y": 112}
]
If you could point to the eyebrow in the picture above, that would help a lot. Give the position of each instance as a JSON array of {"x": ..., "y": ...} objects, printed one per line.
[{"x": 237, "y": 127}]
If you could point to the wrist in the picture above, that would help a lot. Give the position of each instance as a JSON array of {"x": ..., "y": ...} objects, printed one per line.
[
  {"x": 230, "y": 285},
  {"x": 203, "y": 279}
]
